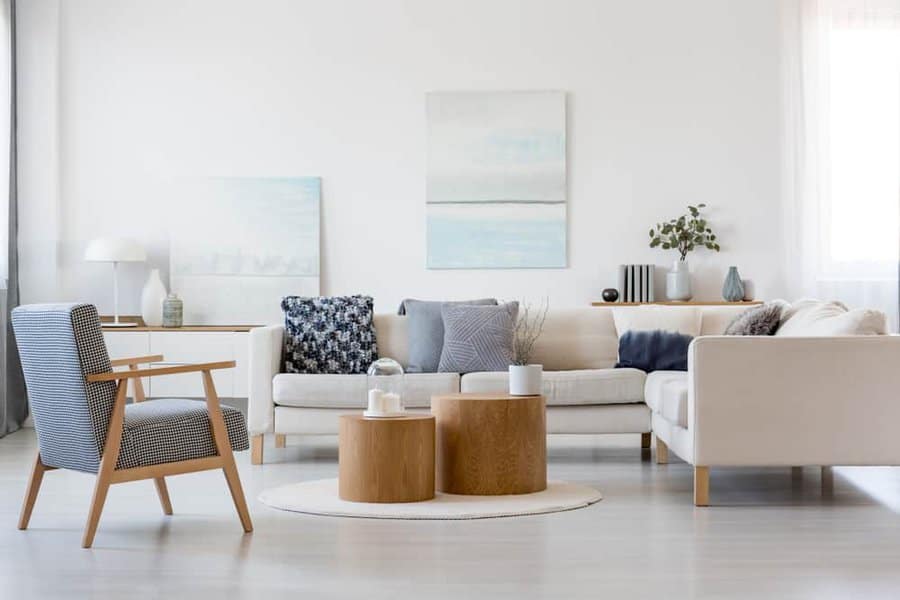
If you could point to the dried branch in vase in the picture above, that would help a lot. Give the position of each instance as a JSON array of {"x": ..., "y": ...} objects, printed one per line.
[{"x": 529, "y": 327}]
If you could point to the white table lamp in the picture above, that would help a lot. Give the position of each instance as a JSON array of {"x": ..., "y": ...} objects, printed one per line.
[{"x": 115, "y": 250}]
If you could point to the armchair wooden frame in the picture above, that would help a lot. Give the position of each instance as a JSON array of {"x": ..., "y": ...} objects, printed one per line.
[{"x": 107, "y": 474}]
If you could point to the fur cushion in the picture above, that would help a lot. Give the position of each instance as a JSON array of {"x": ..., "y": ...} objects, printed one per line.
[
  {"x": 328, "y": 335},
  {"x": 759, "y": 320}
]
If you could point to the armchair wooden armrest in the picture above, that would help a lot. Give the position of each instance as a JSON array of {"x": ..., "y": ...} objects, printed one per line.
[
  {"x": 152, "y": 372},
  {"x": 136, "y": 360}
]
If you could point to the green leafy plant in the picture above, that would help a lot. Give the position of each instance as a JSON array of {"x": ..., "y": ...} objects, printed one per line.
[{"x": 684, "y": 233}]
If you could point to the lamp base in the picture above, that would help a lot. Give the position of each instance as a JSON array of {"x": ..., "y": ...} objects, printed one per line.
[{"x": 119, "y": 324}]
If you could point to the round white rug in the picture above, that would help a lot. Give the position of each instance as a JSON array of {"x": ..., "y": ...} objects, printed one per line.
[{"x": 320, "y": 497}]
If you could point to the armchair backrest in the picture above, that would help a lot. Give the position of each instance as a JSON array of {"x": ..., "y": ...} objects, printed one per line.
[{"x": 59, "y": 345}]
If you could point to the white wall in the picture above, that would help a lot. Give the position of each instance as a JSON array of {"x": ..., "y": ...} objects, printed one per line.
[{"x": 670, "y": 103}]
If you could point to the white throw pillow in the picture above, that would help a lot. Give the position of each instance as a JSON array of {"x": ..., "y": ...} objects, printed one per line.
[
  {"x": 815, "y": 318},
  {"x": 677, "y": 319}
]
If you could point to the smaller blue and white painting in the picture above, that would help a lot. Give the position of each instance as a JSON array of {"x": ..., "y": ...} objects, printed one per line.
[
  {"x": 496, "y": 182},
  {"x": 239, "y": 244}
]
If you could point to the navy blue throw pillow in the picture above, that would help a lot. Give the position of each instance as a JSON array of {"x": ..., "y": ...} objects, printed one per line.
[{"x": 654, "y": 350}]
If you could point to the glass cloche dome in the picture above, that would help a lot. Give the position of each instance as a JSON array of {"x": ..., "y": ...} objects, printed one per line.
[{"x": 385, "y": 382}]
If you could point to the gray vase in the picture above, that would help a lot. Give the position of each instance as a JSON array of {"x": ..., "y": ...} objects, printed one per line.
[{"x": 733, "y": 290}]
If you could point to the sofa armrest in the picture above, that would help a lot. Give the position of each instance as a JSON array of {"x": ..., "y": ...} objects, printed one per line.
[
  {"x": 264, "y": 362},
  {"x": 770, "y": 401}
]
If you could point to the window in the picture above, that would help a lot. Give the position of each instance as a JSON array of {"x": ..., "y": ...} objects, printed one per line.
[{"x": 861, "y": 215}]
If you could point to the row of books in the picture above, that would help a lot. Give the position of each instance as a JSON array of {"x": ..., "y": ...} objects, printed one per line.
[{"x": 636, "y": 283}]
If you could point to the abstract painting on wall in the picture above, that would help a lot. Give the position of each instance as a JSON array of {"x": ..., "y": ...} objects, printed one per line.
[
  {"x": 496, "y": 181},
  {"x": 239, "y": 244}
]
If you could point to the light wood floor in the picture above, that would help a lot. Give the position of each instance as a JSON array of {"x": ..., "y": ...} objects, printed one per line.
[{"x": 770, "y": 534}]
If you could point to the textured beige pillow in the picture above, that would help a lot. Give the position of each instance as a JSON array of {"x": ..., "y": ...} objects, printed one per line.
[
  {"x": 815, "y": 318},
  {"x": 677, "y": 319}
]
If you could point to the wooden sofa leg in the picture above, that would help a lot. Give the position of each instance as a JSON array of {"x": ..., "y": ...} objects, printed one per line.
[
  {"x": 256, "y": 449},
  {"x": 34, "y": 486},
  {"x": 701, "y": 486},
  {"x": 662, "y": 452},
  {"x": 645, "y": 440},
  {"x": 280, "y": 440}
]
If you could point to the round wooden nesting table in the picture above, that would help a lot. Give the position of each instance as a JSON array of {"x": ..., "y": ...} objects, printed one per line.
[
  {"x": 490, "y": 444},
  {"x": 386, "y": 460}
]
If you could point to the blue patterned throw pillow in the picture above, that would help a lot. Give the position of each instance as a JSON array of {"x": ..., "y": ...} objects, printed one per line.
[{"x": 328, "y": 335}]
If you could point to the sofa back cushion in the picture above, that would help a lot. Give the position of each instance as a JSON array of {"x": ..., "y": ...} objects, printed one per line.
[
  {"x": 816, "y": 318},
  {"x": 573, "y": 338},
  {"x": 577, "y": 338},
  {"x": 686, "y": 320},
  {"x": 393, "y": 340}
]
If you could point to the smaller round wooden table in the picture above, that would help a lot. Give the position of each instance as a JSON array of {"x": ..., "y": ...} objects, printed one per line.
[
  {"x": 386, "y": 460},
  {"x": 490, "y": 444}
]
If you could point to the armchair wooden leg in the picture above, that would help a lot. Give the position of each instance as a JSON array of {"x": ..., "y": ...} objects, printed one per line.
[
  {"x": 223, "y": 446},
  {"x": 280, "y": 440},
  {"x": 107, "y": 465},
  {"x": 701, "y": 486},
  {"x": 645, "y": 440},
  {"x": 662, "y": 452},
  {"x": 162, "y": 490},
  {"x": 34, "y": 486},
  {"x": 99, "y": 499},
  {"x": 256, "y": 449}
]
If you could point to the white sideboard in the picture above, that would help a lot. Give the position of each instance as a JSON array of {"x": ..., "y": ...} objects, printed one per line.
[{"x": 182, "y": 346}]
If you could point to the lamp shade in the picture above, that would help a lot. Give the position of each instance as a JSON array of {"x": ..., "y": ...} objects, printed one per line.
[{"x": 115, "y": 250}]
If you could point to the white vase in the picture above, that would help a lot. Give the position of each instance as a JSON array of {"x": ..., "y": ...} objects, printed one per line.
[
  {"x": 152, "y": 296},
  {"x": 525, "y": 380},
  {"x": 678, "y": 281}
]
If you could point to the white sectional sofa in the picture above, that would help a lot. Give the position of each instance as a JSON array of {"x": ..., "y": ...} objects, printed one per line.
[
  {"x": 578, "y": 349},
  {"x": 779, "y": 401}
]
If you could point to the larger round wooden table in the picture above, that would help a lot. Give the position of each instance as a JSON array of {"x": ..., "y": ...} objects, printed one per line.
[
  {"x": 490, "y": 444},
  {"x": 386, "y": 460}
]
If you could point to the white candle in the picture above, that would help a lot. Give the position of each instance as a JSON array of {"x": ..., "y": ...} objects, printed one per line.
[
  {"x": 392, "y": 402},
  {"x": 376, "y": 401}
]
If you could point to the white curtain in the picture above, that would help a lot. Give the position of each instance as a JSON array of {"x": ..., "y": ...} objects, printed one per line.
[{"x": 842, "y": 133}]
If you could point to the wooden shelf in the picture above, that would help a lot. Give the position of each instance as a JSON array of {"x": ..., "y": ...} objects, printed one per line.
[{"x": 674, "y": 303}]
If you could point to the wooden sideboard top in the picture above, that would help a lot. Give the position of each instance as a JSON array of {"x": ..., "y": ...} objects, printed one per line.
[
  {"x": 104, "y": 319},
  {"x": 675, "y": 303},
  {"x": 207, "y": 328}
]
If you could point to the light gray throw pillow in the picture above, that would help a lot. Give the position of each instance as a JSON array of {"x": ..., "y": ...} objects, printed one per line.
[
  {"x": 425, "y": 331},
  {"x": 759, "y": 320},
  {"x": 478, "y": 338}
]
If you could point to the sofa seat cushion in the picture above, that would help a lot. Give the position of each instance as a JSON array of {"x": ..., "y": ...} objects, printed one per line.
[
  {"x": 666, "y": 393},
  {"x": 174, "y": 429},
  {"x": 351, "y": 391},
  {"x": 570, "y": 388}
]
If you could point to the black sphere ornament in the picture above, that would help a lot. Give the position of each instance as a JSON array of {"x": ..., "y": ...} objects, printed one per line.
[{"x": 610, "y": 295}]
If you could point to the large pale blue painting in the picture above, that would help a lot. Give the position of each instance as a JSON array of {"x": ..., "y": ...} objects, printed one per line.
[
  {"x": 239, "y": 244},
  {"x": 496, "y": 182}
]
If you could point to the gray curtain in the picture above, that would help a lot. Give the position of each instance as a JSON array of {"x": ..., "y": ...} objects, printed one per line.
[{"x": 13, "y": 404}]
